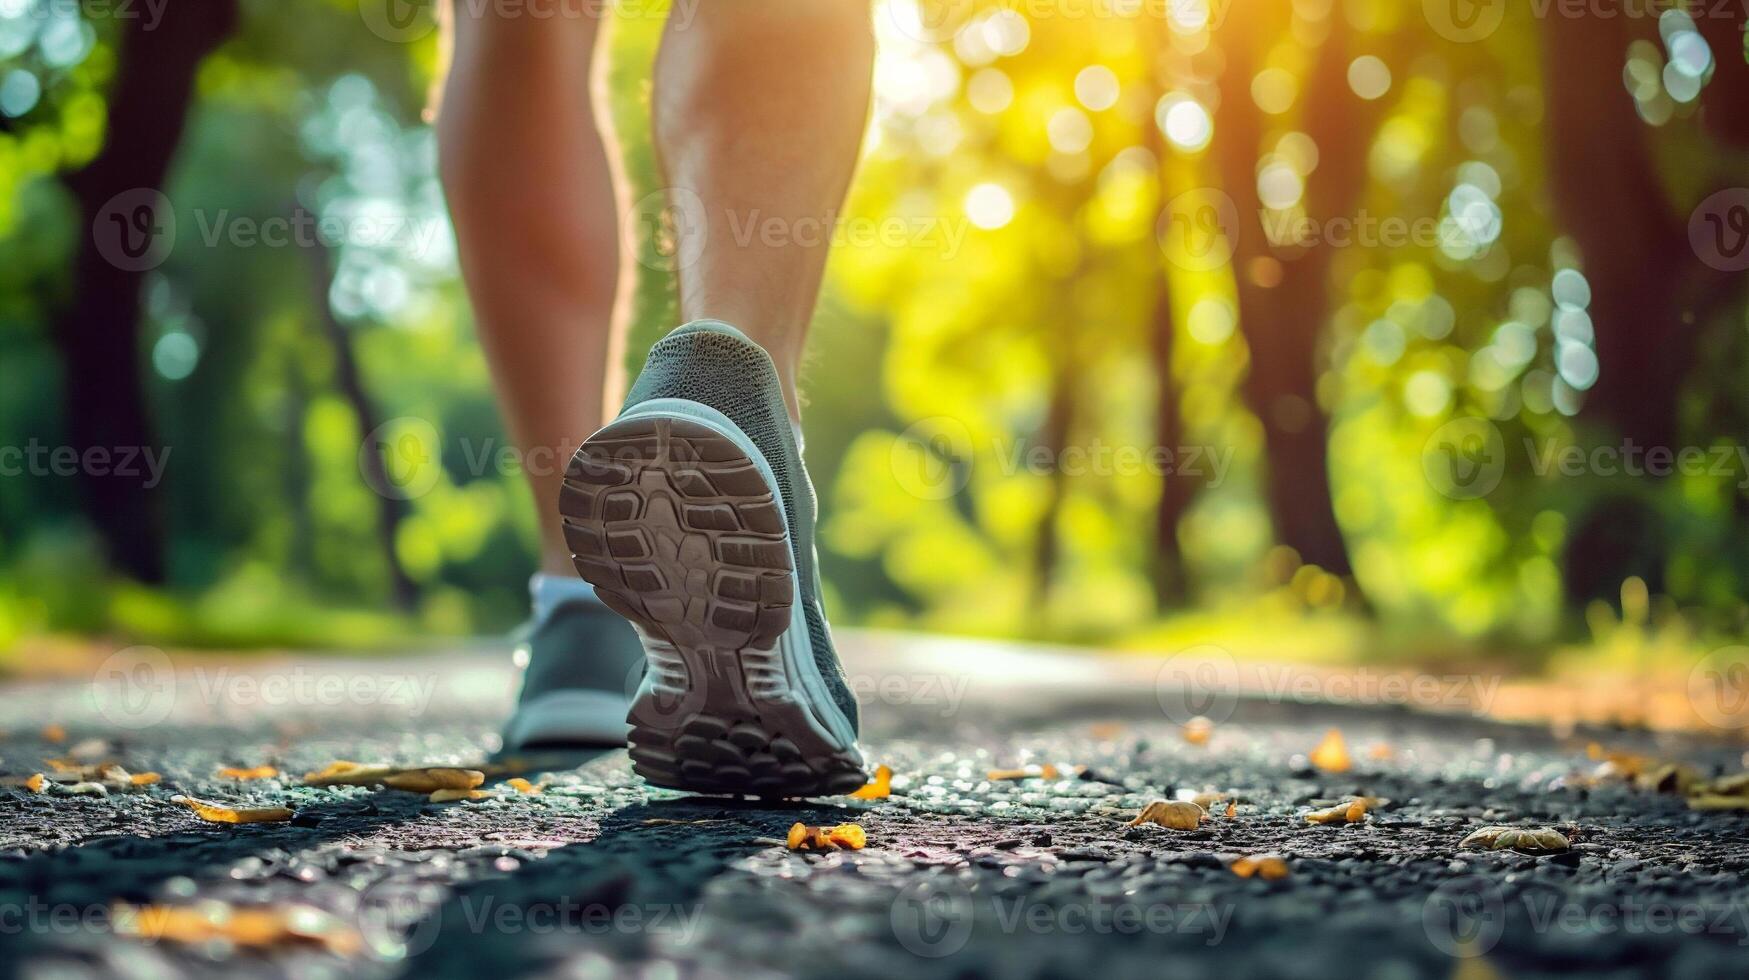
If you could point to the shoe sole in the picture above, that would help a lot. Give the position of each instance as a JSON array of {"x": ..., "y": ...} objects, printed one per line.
[{"x": 681, "y": 531}]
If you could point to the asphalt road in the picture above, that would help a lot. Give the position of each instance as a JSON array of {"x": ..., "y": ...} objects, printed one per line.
[{"x": 963, "y": 875}]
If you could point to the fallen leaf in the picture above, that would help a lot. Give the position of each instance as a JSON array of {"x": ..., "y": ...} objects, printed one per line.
[
  {"x": 252, "y": 927},
  {"x": 1331, "y": 755},
  {"x": 433, "y": 779},
  {"x": 1270, "y": 867},
  {"x": 845, "y": 835},
  {"x": 1046, "y": 771},
  {"x": 1232, "y": 810},
  {"x": 344, "y": 773},
  {"x": 879, "y": 788},
  {"x": 35, "y": 782},
  {"x": 454, "y": 795},
  {"x": 419, "y": 779},
  {"x": 1197, "y": 730},
  {"x": 144, "y": 778},
  {"x": 1530, "y": 840},
  {"x": 1353, "y": 811},
  {"x": 255, "y": 772},
  {"x": 1712, "y": 802},
  {"x": 524, "y": 786},
  {"x": 219, "y": 813},
  {"x": 1172, "y": 814},
  {"x": 55, "y": 733}
]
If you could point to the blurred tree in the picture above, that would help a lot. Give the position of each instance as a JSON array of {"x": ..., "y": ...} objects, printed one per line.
[{"x": 119, "y": 198}]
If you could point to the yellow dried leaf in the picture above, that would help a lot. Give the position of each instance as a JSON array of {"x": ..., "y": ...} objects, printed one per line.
[
  {"x": 1172, "y": 814},
  {"x": 1713, "y": 802},
  {"x": 219, "y": 813},
  {"x": 1350, "y": 811},
  {"x": 453, "y": 795},
  {"x": 1331, "y": 755},
  {"x": 1270, "y": 867},
  {"x": 144, "y": 778},
  {"x": 846, "y": 835},
  {"x": 879, "y": 788},
  {"x": 434, "y": 778},
  {"x": 36, "y": 782},
  {"x": 524, "y": 786},
  {"x": 344, "y": 773},
  {"x": 1197, "y": 730},
  {"x": 1046, "y": 771},
  {"x": 254, "y": 772},
  {"x": 1531, "y": 840},
  {"x": 53, "y": 732},
  {"x": 252, "y": 927},
  {"x": 1232, "y": 810}
]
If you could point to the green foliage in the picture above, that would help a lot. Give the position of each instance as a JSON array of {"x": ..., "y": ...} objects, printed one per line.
[{"x": 995, "y": 307}]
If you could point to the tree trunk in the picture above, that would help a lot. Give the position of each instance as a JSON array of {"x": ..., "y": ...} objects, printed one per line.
[
  {"x": 1608, "y": 196},
  {"x": 123, "y": 216},
  {"x": 391, "y": 509},
  {"x": 1283, "y": 320}
]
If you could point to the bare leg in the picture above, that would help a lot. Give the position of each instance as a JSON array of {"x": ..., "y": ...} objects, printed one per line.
[
  {"x": 759, "y": 108},
  {"x": 526, "y": 169}
]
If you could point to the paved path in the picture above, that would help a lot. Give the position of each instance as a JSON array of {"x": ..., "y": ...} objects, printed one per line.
[{"x": 962, "y": 876}]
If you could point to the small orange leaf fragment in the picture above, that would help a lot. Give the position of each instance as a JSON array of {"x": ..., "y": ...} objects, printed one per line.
[
  {"x": 878, "y": 788},
  {"x": 1331, "y": 755},
  {"x": 846, "y": 835},
  {"x": 253, "y": 772},
  {"x": 1197, "y": 730},
  {"x": 144, "y": 778},
  {"x": 1232, "y": 810},
  {"x": 432, "y": 779},
  {"x": 1046, "y": 771},
  {"x": 1172, "y": 814},
  {"x": 219, "y": 813},
  {"x": 524, "y": 786},
  {"x": 54, "y": 732},
  {"x": 454, "y": 795},
  {"x": 1271, "y": 867}
]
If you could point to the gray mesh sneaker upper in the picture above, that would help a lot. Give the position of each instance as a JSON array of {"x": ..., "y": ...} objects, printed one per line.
[
  {"x": 582, "y": 645},
  {"x": 710, "y": 362}
]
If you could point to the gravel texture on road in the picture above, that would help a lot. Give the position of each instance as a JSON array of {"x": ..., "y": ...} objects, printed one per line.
[{"x": 963, "y": 875}]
